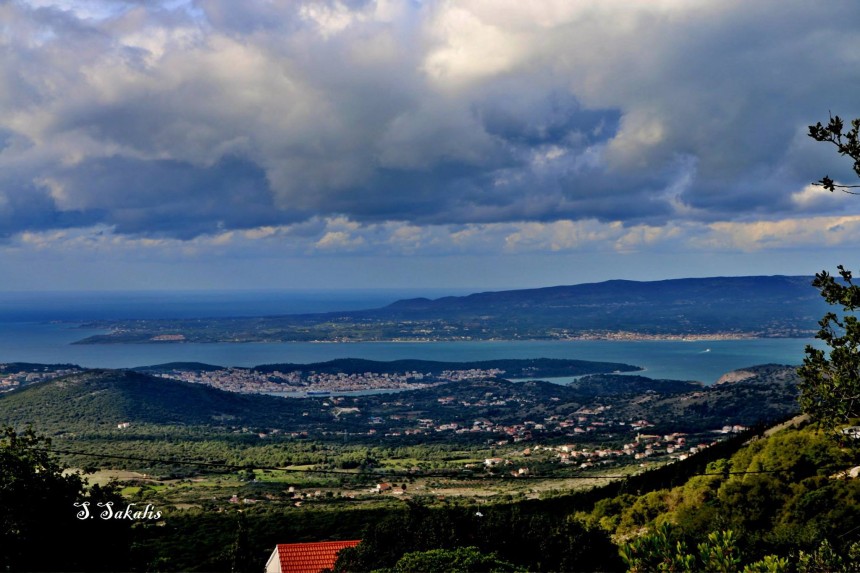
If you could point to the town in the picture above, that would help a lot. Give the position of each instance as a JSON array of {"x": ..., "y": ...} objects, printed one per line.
[
  {"x": 13, "y": 376},
  {"x": 297, "y": 383}
]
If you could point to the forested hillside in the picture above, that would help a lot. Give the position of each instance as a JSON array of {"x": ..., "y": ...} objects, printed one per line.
[
  {"x": 96, "y": 400},
  {"x": 783, "y": 503},
  {"x": 745, "y": 499}
]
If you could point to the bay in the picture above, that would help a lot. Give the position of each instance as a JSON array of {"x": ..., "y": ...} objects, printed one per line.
[
  {"x": 704, "y": 361},
  {"x": 40, "y": 327}
]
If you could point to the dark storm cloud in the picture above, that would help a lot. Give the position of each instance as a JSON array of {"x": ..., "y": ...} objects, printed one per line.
[
  {"x": 27, "y": 207},
  {"x": 171, "y": 198},
  {"x": 182, "y": 119}
]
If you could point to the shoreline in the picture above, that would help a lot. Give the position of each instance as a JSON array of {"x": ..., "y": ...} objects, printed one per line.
[{"x": 618, "y": 336}]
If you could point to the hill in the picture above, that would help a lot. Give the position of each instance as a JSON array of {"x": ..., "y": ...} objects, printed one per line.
[
  {"x": 98, "y": 400},
  {"x": 711, "y": 291},
  {"x": 763, "y": 306},
  {"x": 755, "y": 394},
  {"x": 781, "y": 503},
  {"x": 512, "y": 368}
]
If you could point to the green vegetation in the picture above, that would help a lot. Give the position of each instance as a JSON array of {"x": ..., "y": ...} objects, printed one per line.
[
  {"x": 830, "y": 387},
  {"x": 98, "y": 400},
  {"x": 769, "y": 505},
  {"x": 436, "y": 439},
  {"x": 512, "y": 368},
  {"x": 781, "y": 503},
  {"x": 459, "y": 560},
  {"x": 91, "y": 405},
  {"x": 529, "y": 537},
  {"x": 847, "y": 143},
  {"x": 755, "y": 395},
  {"x": 764, "y": 484},
  {"x": 476, "y": 474},
  {"x": 788, "y": 503},
  {"x": 664, "y": 550},
  {"x": 39, "y": 504}
]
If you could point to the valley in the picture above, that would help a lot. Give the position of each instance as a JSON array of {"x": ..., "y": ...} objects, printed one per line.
[
  {"x": 566, "y": 453},
  {"x": 465, "y": 432}
]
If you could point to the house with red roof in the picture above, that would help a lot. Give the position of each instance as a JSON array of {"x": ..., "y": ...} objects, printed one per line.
[
  {"x": 306, "y": 557},
  {"x": 383, "y": 487}
]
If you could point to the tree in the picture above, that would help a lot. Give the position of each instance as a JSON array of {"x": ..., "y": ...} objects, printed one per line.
[
  {"x": 241, "y": 557},
  {"x": 459, "y": 560},
  {"x": 846, "y": 142},
  {"x": 830, "y": 384},
  {"x": 663, "y": 550},
  {"x": 41, "y": 528}
]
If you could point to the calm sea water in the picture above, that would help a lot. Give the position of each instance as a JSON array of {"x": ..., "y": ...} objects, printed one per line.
[{"x": 40, "y": 327}]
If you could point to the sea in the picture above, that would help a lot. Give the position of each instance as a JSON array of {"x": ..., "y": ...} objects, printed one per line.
[{"x": 41, "y": 327}]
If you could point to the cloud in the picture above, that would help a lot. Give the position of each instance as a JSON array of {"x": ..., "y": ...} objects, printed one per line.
[
  {"x": 182, "y": 120},
  {"x": 339, "y": 237},
  {"x": 789, "y": 233}
]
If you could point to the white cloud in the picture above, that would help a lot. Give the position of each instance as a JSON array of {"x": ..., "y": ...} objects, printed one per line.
[
  {"x": 467, "y": 48},
  {"x": 814, "y": 197},
  {"x": 789, "y": 233},
  {"x": 339, "y": 240},
  {"x": 503, "y": 243}
]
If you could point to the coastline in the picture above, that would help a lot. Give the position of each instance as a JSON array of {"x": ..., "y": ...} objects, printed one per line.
[
  {"x": 609, "y": 336},
  {"x": 663, "y": 358}
]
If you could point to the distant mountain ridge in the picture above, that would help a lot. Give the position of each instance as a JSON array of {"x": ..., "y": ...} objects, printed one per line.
[
  {"x": 715, "y": 304},
  {"x": 619, "y": 291},
  {"x": 752, "y": 306}
]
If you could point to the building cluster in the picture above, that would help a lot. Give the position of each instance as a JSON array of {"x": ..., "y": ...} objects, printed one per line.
[
  {"x": 526, "y": 430},
  {"x": 671, "y": 446},
  {"x": 644, "y": 446},
  {"x": 565, "y": 334},
  {"x": 596, "y": 421},
  {"x": 14, "y": 380},
  {"x": 297, "y": 382}
]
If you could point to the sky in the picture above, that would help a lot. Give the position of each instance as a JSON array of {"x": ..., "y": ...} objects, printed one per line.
[{"x": 486, "y": 144}]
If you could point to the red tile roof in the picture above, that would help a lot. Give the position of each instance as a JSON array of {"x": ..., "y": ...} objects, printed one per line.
[{"x": 311, "y": 557}]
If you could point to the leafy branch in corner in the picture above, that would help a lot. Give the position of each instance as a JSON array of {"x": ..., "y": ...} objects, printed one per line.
[
  {"x": 846, "y": 142},
  {"x": 830, "y": 384},
  {"x": 829, "y": 389}
]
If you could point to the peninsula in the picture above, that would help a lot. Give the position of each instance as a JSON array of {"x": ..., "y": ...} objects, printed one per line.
[{"x": 696, "y": 308}]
